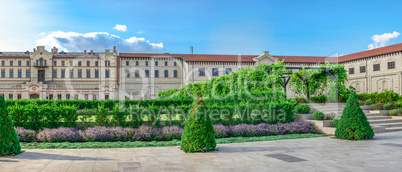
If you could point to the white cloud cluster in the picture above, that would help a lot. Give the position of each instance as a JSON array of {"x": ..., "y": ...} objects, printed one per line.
[
  {"x": 97, "y": 41},
  {"x": 119, "y": 27},
  {"x": 383, "y": 40}
]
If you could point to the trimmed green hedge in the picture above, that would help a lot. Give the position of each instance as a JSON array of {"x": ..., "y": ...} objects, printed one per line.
[{"x": 383, "y": 97}]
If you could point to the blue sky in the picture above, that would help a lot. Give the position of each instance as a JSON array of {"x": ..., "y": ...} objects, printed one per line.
[{"x": 317, "y": 28}]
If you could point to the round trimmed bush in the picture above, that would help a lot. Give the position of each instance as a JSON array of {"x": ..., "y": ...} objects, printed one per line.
[
  {"x": 318, "y": 115},
  {"x": 353, "y": 124},
  {"x": 389, "y": 106},
  {"x": 198, "y": 134},
  {"x": 9, "y": 143},
  {"x": 303, "y": 108},
  {"x": 369, "y": 102}
]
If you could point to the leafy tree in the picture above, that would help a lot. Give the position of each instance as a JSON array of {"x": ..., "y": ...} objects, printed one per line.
[
  {"x": 353, "y": 124},
  {"x": 198, "y": 134},
  {"x": 102, "y": 115},
  {"x": 9, "y": 143},
  {"x": 119, "y": 115}
]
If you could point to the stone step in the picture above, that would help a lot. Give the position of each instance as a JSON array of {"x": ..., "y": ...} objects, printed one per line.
[
  {"x": 374, "y": 114},
  {"x": 378, "y": 117},
  {"x": 387, "y": 125},
  {"x": 391, "y": 129},
  {"x": 383, "y": 121}
]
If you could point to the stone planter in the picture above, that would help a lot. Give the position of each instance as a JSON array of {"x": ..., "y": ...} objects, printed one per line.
[
  {"x": 323, "y": 126},
  {"x": 380, "y": 112},
  {"x": 367, "y": 107},
  {"x": 322, "y": 123}
]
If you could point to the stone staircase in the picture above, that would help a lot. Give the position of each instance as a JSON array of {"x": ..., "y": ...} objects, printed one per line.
[{"x": 380, "y": 121}]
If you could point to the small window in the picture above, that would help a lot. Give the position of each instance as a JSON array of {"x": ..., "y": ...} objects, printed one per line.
[
  {"x": 175, "y": 73},
  {"x": 137, "y": 73},
  {"x": 147, "y": 73},
  {"x": 201, "y": 72},
  {"x": 19, "y": 73},
  {"x": 106, "y": 97},
  {"x": 19, "y": 96},
  {"x": 28, "y": 73},
  {"x": 127, "y": 74},
  {"x": 175, "y": 63},
  {"x": 50, "y": 96},
  {"x": 3, "y": 73},
  {"x": 67, "y": 96},
  {"x": 63, "y": 63},
  {"x": 19, "y": 63},
  {"x": 107, "y": 73},
  {"x": 362, "y": 69},
  {"x": 55, "y": 63},
  {"x": 28, "y": 63},
  {"x": 166, "y": 63},
  {"x": 156, "y": 73},
  {"x": 376, "y": 67},
  {"x": 54, "y": 73},
  {"x": 76, "y": 96},
  {"x": 96, "y": 73},
  {"x": 215, "y": 72},
  {"x": 71, "y": 74},
  {"x": 63, "y": 73},
  {"x": 88, "y": 73},
  {"x": 59, "y": 96},
  {"x": 166, "y": 73},
  {"x": 146, "y": 63},
  {"x": 351, "y": 71},
  {"x": 71, "y": 63},
  {"x": 156, "y": 63},
  {"x": 391, "y": 65},
  {"x": 3, "y": 63},
  {"x": 11, "y": 74},
  {"x": 136, "y": 63},
  {"x": 86, "y": 96},
  {"x": 96, "y": 63},
  {"x": 11, "y": 63},
  {"x": 127, "y": 63},
  {"x": 80, "y": 73},
  {"x": 94, "y": 97},
  {"x": 79, "y": 63},
  {"x": 228, "y": 70},
  {"x": 10, "y": 96},
  {"x": 88, "y": 63}
]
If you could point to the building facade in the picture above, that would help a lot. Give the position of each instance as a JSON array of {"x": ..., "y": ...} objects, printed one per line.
[{"x": 108, "y": 75}]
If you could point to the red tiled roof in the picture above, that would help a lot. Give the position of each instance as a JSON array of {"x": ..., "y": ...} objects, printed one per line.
[
  {"x": 307, "y": 59},
  {"x": 373, "y": 52}
]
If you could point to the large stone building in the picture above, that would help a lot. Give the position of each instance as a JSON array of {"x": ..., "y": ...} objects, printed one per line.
[{"x": 109, "y": 75}]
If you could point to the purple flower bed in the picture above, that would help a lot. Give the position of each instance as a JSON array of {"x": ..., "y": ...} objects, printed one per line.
[{"x": 147, "y": 133}]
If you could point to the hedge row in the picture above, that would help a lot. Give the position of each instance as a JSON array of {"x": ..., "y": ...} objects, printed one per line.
[{"x": 383, "y": 97}]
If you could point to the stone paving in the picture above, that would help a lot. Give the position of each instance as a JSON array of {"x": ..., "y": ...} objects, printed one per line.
[{"x": 384, "y": 153}]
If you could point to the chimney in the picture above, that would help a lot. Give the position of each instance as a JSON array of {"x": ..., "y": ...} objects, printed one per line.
[
  {"x": 191, "y": 49},
  {"x": 54, "y": 50},
  {"x": 34, "y": 49},
  {"x": 85, "y": 53},
  {"x": 114, "y": 49},
  {"x": 92, "y": 53}
]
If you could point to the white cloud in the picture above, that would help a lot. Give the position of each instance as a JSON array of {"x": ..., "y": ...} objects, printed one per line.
[
  {"x": 42, "y": 33},
  {"x": 383, "y": 40},
  {"x": 119, "y": 27},
  {"x": 140, "y": 32},
  {"x": 97, "y": 41}
]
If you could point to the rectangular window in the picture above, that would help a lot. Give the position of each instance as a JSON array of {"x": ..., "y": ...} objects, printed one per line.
[
  {"x": 10, "y": 96},
  {"x": 28, "y": 63},
  {"x": 136, "y": 63},
  {"x": 376, "y": 67},
  {"x": 51, "y": 97},
  {"x": 28, "y": 73},
  {"x": 54, "y": 73},
  {"x": 71, "y": 63},
  {"x": 201, "y": 71},
  {"x": 166, "y": 63},
  {"x": 215, "y": 72},
  {"x": 86, "y": 96},
  {"x": 88, "y": 73},
  {"x": 106, "y": 97},
  {"x": 127, "y": 63},
  {"x": 63, "y": 63},
  {"x": 146, "y": 63},
  {"x": 166, "y": 73},
  {"x": 80, "y": 73},
  {"x": 59, "y": 96},
  {"x": 19, "y": 63},
  {"x": 3, "y": 63},
  {"x": 19, "y": 96},
  {"x": 11, "y": 74},
  {"x": 107, "y": 73},
  {"x": 362, "y": 69},
  {"x": 71, "y": 74},
  {"x": 174, "y": 63},
  {"x": 11, "y": 63},
  {"x": 156, "y": 63},
  {"x": 3, "y": 73},
  {"x": 96, "y": 63},
  {"x": 19, "y": 73},
  {"x": 63, "y": 73},
  {"x": 55, "y": 63},
  {"x": 156, "y": 73},
  {"x": 76, "y": 96},
  {"x": 88, "y": 63},
  {"x": 96, "y": 73},
  {"x": 391, "y": 65},
  {"x": 127, "y": 73},
  {"x": 94, "y": 97},
  {"x": 351, "y": 71},
  {"x": 147, "y": 73},
  {"x": 105, "y": 63},
  {"x": 137, "y": 73},
  {"x": 175, "y": 73},
  {"x": 79, "y": 63},
  {"x": 228, "y": 70},
  {"x": 67, "y": 96}
]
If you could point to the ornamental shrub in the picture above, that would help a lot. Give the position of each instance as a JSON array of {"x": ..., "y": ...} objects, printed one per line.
[
  {"x": 52, "y": 116},
  {"x": 85, "y": 117},
  {"x": 9, "y": 143},
  {"x": 25, "y": 135},
  {"x": 398, "y": 105},
  {"x": 335, "y": 122},
  {"x": 303, "y": 108},
  {"x": 34, "y": 117},
  {"x": 378, "y": 106},
  {"x": 392, "y": 112},
  {"x": 135, "y": 113},
  {"x": 369, "y": 102},
  {"x": 389, "y": 105},
  {"x": 198, "y": 134},
  {"x": 102, "y": 115},
  {"x": 119, "y": 116},
  {"x": 319, "y": 99},
  {"x": 69, "y": 115},
  {"x": 353, "y": 124},
  {"x": 318, "y": 115},
  {"x": 17, "y": 115}
]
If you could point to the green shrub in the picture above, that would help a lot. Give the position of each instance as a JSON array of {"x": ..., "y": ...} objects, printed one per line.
[
  {"x": 52, "y": 116},
  {"x": 361, "y": 102},
  {"x": 34, "y": 117},
  {"x": 303, "y": 108},
  {"x": 389, "y": 105},
  {"x": 392, "y": 112},
  {"x": 383, "y": 97},
  {"x": 198, "y": 134},
  {"x": 319, "y": 99},
  {"x": 119, "y": 116},
  {"x": 17, "y": 115},
  {"x": 153, "y": 113},
  {"x": 398, "y": 105},
  {"x": 102, "y": 115},
  {"x": 9, "y": 143},
  {"x": 398, "y": 112},
  {"x": 335, "y": 122},
  {"x": 85, "y": 117},
  {"x": 318, "y": 115},
  {"x": 301, "y": 100},
  {"x": 353, "y": 124},
  {"x": 369, "y": 102},
  {"x": 136, "y": 119},
  {"x": 69, "y": 115},
  {"x": 378, "y": 106}
]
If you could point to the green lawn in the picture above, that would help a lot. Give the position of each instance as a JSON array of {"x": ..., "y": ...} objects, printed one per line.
[{"x": 92, "y": 145}]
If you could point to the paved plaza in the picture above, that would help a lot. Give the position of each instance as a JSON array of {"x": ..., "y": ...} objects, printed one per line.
[{"x": 384, "y": 153}]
